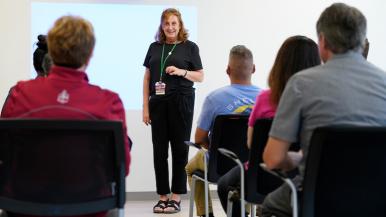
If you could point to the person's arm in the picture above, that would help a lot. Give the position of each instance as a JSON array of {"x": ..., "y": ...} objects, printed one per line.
[
  {"x": 276, "y": 155},
  {"x": 201, "y": 137},
  {"x": 145, "y": 106},
  {"x": 249, "y": 137},
  {"x": 8, "y": 108},
  {"x": 118, "y": 113},
  {"x": 195, "y": 76}
]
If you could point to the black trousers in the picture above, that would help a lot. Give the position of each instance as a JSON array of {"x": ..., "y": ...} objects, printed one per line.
[
  {"x": 228, "y": 182},
  {"x": 171, "y": 122}
]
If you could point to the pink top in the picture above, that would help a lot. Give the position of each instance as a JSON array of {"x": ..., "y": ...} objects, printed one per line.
[{"x": 263, "y": 108}]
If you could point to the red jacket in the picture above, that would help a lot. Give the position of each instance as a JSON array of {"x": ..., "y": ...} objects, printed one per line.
[{"x": 66, "y": 94}]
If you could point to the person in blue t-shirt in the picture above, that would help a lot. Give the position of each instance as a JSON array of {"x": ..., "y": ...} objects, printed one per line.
[{"x": 236, "y": 98}]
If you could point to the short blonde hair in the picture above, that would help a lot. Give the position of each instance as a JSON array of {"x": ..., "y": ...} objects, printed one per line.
[{"x": 71, "y": 41}]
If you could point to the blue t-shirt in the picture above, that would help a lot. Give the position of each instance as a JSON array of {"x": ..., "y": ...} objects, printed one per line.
[{"x": 231, "y": 99}]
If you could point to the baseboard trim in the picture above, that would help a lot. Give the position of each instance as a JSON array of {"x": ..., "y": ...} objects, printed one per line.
[{"x": 152, "y": 195}]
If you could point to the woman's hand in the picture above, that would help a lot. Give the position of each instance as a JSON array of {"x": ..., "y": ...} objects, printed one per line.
[
  {"x": 172, "y": 70},
  {"x": 195, "y": 76},
  {"x": 146, "y": 116}
]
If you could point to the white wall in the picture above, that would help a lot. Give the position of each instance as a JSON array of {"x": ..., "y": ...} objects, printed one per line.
[{"x": 260, "y": 25}]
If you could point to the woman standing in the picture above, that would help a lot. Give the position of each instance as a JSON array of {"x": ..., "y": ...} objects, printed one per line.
[{"x": 172, "y": 65}]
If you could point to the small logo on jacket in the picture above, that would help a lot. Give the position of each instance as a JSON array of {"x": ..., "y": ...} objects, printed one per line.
[{"x": 63, "y": 97}]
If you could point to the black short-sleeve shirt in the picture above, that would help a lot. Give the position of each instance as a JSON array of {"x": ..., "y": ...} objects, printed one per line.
[{"x": 184, "y": 56}]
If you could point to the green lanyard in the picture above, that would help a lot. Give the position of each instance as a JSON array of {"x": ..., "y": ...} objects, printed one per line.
[{"x": 163, "y": 61}]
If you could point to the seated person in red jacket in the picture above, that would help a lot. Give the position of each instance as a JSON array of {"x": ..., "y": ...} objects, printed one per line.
[{"x": 66, "y": 93}]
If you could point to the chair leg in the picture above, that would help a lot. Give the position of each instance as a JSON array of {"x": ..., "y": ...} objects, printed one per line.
[
  {"x": 191, "y": 201},
  {"x": 229, "y": 204},
  {"x": 121, "y": 212},
  {"x": 253, "y": 210},
  {"x": 294, "y": 197},
  {"x": 206, "y": 184},
  {"x": 206, "y": 199}
]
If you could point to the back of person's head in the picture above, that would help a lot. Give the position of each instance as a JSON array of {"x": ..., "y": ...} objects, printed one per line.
[
  {"x": 343, "y": 27},
  {"x": 295, "y": 54},
  {"x": 240, "y": 66},
  {"x": 39, "y": 54},
  {"x": 71, "y": 41}
]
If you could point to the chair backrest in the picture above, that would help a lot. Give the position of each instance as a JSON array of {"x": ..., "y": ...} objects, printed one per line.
[
  {"x": 61, "y": 167},
  {"x": 230, "y": 132},
  {"x": 345, "y": 172},
  {"x": 259, "y": 182}
]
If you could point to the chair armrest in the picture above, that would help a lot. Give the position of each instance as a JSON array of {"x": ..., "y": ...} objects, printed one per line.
[
  {"x": 232, "y": 156},
  {"x": 282, "y": 175},
  {"x": 228, "y": 153},
  {"x": 276, "y": 172},
  {"x": 192, "y": 144}
]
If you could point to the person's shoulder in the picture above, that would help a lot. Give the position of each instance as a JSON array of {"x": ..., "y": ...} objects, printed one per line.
[
  {"x": 106, "y": 93},
  {"x": 29, "y": 83},
  {"x": 245, "y": 88},
  {"x": 190, "y": 44},
  {"x": 255, "y": 88},
  {"x": 312, "y": 71},
  {"x": 375, "y": 68},
  {"x": 25, "y": 86},
  {"x": 309, "y": 75},
  {"x": 154, "y": 44},
  {"x": 221, "y": 90},
  {"x": 218, "y": 93},
  {"x": 265, "y": 93}
]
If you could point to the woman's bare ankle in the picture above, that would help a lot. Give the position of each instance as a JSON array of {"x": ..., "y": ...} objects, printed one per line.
[{"x": 164, "y": 197}]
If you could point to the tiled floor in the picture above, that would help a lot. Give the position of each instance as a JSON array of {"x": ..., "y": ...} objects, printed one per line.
[{"x": 145, "y": 209}]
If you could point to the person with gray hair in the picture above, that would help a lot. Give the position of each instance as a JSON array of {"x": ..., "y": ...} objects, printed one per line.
[
  {"x": 346, "y": 90},
  {"x": 236, "y": 98}
]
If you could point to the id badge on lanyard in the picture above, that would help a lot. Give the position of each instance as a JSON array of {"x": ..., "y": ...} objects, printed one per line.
[{"x": 160, "y": 88}]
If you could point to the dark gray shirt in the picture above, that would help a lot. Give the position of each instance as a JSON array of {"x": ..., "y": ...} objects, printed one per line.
[{"x": 346, "y": 90}]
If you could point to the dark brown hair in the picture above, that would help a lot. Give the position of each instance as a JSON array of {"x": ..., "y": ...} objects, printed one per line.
[
  {"x": 295, "y": 54},
  {"x": 39, "y": 54},
  {"x": 182, "y": 33}
]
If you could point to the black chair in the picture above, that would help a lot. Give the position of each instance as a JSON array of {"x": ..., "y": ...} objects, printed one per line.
[
  {"x": 257, "y": 182},
  {"x": 345, "y": 173},
  {"x": 229, "y": 132},
  {"x": 61, "y": 167}
]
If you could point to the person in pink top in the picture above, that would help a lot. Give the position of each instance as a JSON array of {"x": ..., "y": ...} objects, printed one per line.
[{"x": 296, "y": 53}]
